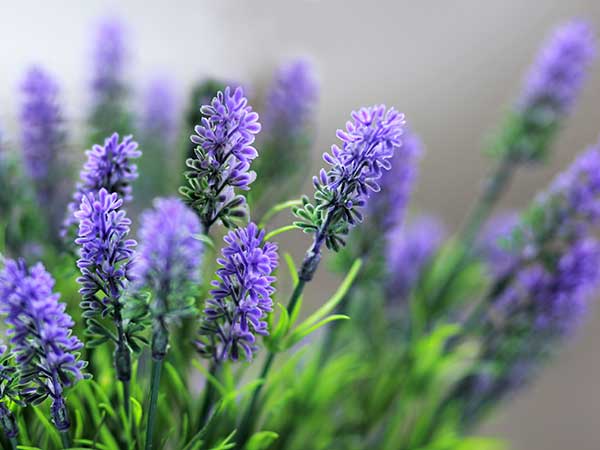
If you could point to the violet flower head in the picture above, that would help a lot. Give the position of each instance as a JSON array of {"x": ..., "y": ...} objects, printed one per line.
[
  {"x": 40, "y": 335},
  {"x": 387, "y": 208},
  {"x": 160, "y": 108},
  {"x": 494, "y": 246},
  {"x": 169, "y": 255},
  {"x": 222, "y": 158},
  {"x": 558, "y": 73},
  {"x": 109, "y": 55},
  {"x": 109, "y": 166},
  {"x": 368, "y": 145},
  {"x": 408, "y": 250},
  {"x": 241, "y": 298},
  {"x": 292, "y": 98}
]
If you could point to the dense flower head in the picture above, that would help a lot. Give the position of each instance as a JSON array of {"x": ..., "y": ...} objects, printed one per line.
[
  {"x": 40, "y": 332},
  {"x": 408, "y": 249},
  {"x": 388, "y": 206},
  {"x": 109, "y": 166},
  {"x": 105, "y": 250},
  {"x": 292, "y": 98},
  {"x": 222, "y": 159},
  {"x": 41, "y": 120},
  {"x": 160, "y": 107},
  {"x": 169, "y": 255},
  {"x": 109, "y": 55},
  {"x": 241, "y": 298},
  {"x": 557, "y": 75}
]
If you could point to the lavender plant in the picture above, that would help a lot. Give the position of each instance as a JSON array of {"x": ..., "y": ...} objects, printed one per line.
[{"x": 441, "y": 330}]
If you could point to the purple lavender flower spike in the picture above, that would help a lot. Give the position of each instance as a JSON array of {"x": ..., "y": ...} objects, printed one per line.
[
  {"x": 387, "y": 208},
  {"x": 558, "y": 73},
  {"x": 241, "y": 298},
  {"x": 408, "y": 249},
  {"x": 292, "y": 98},
  {"x": 160, "y": 107},
  {"x": 43, "y": 140},
  {"x": 105, "y": 261},
  {"x": 40, "y": 335},
  {"x": 109, "y": 55},
  {"x": 107, "y": 167},
  {"x": 493, "y": 245},
  {"x": 223, "y": 158},
  {"x": 168, "y": 263},
  {"x": 368, "y": 145}
]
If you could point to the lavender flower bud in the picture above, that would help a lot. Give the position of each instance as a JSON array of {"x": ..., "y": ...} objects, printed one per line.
[
  {"x": 223, "y": 158},
  {"x": 43, "y": 140},
  {"x": 40, "y": 334},
  {"x": 409, "y": 248},
  {"x": 241, "y": 298},
  {"x": 105, "y": 262},
  {"x": 107, "y": 167},
  {"x": 368, "y": 144},
  {"x": 169, "y": 263}
]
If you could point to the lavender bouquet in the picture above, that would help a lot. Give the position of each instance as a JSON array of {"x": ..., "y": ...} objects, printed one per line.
[{"x": 188, "y": 327}]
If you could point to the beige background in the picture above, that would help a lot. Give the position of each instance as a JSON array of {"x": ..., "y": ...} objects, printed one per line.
[{"x": 452, "y": 66}]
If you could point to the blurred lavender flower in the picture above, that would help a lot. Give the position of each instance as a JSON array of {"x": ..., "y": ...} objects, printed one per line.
[
  {"x": 109, "y": 56},
  {"x": 408, "y": 249},
  {"x": 108, "y": 167},
  {"x": 40, "y": 334},
  {"x": 557, "y": 75},
  {"x": 493, "y": 244},
  {"x": 105, "y": 261},
  {"x": 550, "y": 91},
  {"x": 43, "y": 141},
  {"x": 160, "y": 108},
  {"x": 168, "y": 263},
  {"x": 291, "y": 99},
  {"x": 241, "y": 298},
  {"x": 388, "y": 206},
  {"x": 288, "y": 133},
  {"x": 368, "y": 145},
  {"x": 223, "y": 157}
]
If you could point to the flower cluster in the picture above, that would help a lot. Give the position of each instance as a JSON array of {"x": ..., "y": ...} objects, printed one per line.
[
  {"x": 109, "y": 167},
  {"x": 159, "y": 118},
  {"x": 292, "y": 99},
  {"x": 168, "y": 263},
  {"x": 493, "y": 246},
  {"x": 408, "y": 249},
  {"x": 388, "y": 206},
  {"x": 558, "y": 73},
  {"x": 241, "y": 298},
  {"x": 43, "y": 141},
  {"x": 222, "y": 158},
  {"x": 105, "y": 262},
  {"x": 368, "y": 145},
  {"x": 109, "y": 57},
  {"x": 40, "y": 335}
]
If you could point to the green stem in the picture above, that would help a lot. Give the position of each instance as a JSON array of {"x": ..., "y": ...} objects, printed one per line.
[
  {"x": 14, "y": 443},
  {"x": 127, "y": 399},
  {"x": 66, "y": 439},
  {"x": 209, "y": 395},
  {"x": 154, "y": 383},
  {"x": 247, "y": 423},
  {"x": 276, "y": 209}
]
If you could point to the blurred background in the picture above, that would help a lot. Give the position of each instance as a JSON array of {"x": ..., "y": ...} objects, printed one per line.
[{"x": 452, "y": 67}]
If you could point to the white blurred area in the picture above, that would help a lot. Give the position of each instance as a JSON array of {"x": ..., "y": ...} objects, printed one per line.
[{"x": 453, "y": 67}]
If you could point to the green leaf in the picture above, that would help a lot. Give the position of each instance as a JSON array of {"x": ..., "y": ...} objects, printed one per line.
[
  {"x": 261, "y": 440},
  {"x": 301, "y": 332},
  {"x": 205, "y": 239},
  {"x": 137, "y": 411}
]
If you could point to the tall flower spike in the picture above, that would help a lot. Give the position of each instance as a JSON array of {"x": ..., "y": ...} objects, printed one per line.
[
  {"x": 387, "y": 208},
  {"x": 241, "y": 298},
  {"x": 43, "y": 141},
  {"x": 40, "y": 336},
  {"x": 109, "y": 88},
  {"x": 105, "y": 261},
  {"x": 168, "y": 263},
  {"x": 408, "y": 249},
  {"x": 368, "y": 144},
  {"x": 223, "y": 157},
  {"x": 109, "y": 167},
  {"x": 550, "y": 91}
]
